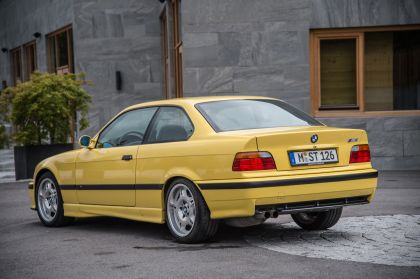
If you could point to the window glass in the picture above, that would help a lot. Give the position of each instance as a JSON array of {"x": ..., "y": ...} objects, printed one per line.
[
  {"x": 62, "y": 49},
  {"x": 233, "y": 115},
  {"x": 378, "y": 71},
  {"x": 60, "y": 52},
  {"x": 338, "y": 73},
  {"x": 18, "y": 66},
  {"x": 367, "y": 70},
  {"x": 51, "y": 54},
  {"x": 172, "y": 124},
  {"x": 30, "y": 59},
  {"x": 392, "y": 70},
  {"x": 128, "y": 129},
  {"x": 16, "y": 61}
]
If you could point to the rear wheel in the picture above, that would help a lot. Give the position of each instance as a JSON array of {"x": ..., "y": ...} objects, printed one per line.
[
  {"x": 317, "y": 220},
  {"x": 49, "y": 202},
  {"x": 187, "y": 215}
]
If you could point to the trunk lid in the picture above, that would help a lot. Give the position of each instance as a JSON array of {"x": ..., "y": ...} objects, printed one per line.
[{"x": 281, "y": 141}]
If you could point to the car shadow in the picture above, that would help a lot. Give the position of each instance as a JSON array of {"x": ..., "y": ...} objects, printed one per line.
[
  {"x": 226, "y": 237},
  {"x": 117, "y": 226},
  {"x": 110, "y": 225}
]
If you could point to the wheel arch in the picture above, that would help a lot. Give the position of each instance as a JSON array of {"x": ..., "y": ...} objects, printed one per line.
[
  {"x": 37, "y": 176},
  {"x": 169, "y": 181},
  {"x": 40, "y": 173}
]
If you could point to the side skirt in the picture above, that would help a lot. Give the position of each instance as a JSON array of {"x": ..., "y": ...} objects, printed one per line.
[{"x": 153, "y": 215}]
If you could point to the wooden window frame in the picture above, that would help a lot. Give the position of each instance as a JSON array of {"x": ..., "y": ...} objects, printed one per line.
[
  {"x": 316, "y": 35},
  {"x": 13, "y": 68},
  {"x": 26, "y": 48},
  {"x": 70, "y": 54},
  {"x": 165, "y": 54},
  {"x": 177, "y": 49}
]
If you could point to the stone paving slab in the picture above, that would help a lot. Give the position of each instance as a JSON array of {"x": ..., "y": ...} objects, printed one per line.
[{"x": 390, "y": 240}]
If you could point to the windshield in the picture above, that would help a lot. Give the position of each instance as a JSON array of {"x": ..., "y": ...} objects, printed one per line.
[{"x": 231, "y": 115}]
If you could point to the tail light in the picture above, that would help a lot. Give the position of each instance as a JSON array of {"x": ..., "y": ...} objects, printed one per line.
[
  {"x": 252, "y": 161},
  {"x": 360, "y": 154}
]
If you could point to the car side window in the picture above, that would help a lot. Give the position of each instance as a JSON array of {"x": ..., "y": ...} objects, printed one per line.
[
  {"x": 128, "y": 129},
  {"x": 171, "y": 124}
]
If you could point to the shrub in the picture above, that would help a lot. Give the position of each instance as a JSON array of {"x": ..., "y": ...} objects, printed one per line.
[{"x": 44, "y": 109}]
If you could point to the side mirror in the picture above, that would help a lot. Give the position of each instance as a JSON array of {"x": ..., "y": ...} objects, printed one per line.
[{"x": 84, "y": 141}]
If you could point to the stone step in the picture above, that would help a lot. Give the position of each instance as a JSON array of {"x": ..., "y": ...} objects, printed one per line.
[
  {"x": 7, "y": 174},
  {"x": 7, "y": 165}
]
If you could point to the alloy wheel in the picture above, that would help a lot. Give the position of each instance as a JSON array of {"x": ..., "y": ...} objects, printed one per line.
[
  {"x": 181, "y": 210},
  {"x": 47, "y": 200}
]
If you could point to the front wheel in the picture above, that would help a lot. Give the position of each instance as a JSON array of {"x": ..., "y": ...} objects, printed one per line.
[
  {"x": 187, "y": 215},
  {"x": 317, "y": 220},
  {"x": 49, "y": 202}
]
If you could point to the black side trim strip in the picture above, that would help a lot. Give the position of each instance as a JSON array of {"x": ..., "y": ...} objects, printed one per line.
[
  {"x": 287, "y": 182},
  {"x": 30, "y": 185},
  {"x": 106, "y": 187},
  {"x": 113, "y": 187},
  {"x": 68, "y": 187},
  {"x": 149, "y": 186}
]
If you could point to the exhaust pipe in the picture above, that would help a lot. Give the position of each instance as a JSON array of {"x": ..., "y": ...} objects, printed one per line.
[
  {"x": 271, "y": 214},
  {"x": 274, "y": 214}
]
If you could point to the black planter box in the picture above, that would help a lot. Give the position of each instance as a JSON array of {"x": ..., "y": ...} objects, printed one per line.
[{"x": 27, "y": 157}]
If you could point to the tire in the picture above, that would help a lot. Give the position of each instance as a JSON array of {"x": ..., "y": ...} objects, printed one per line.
[
  {"x": 318, "y": 220},
  {"x": 187, "y": 214},
  {"x": 49, "y": 202}
]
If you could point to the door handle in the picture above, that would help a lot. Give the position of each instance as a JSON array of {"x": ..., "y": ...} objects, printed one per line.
[{"x": 127, "y": 157}]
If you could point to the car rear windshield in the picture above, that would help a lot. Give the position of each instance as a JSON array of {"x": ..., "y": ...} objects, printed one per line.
[{"x": 231, "y": 115}]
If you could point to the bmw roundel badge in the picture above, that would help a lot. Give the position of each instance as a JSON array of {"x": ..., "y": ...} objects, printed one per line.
[{"x": 314, "y": 138}]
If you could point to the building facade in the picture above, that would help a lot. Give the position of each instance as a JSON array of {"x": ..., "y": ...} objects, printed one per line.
[{"x": 349, "y": 63}]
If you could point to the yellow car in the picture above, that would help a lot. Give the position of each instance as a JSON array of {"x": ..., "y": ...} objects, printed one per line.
[{"x": 196, "y": 161}]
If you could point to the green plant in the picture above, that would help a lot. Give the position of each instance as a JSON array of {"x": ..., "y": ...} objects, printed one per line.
[
  {"x": 44, "y": 109},
  {"x": 6, "y": 98}
]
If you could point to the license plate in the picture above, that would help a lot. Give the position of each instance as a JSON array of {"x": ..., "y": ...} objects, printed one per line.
[{"x": 313, "y": 157}]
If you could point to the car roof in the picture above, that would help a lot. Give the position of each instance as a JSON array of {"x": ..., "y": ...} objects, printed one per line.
[{"x": 194, "y": 100}]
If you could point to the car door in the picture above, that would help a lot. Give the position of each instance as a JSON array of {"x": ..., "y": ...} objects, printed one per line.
[
  {"x": 164, "y": 149},
  {"x": 105, "y": 174}
]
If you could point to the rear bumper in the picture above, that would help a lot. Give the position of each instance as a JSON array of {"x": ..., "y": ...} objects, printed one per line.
[{"x": 241, "y": 197}]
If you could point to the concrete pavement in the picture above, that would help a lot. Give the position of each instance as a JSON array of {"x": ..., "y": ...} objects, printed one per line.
[{"x": 114, "y": 248}]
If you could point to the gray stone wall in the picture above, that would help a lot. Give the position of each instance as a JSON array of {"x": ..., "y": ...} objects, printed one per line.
[
  {"x": 245, "y": 47},
  {"x": 356, "y": 13},
  {"x": 250, "y": 47},
  {"x": 19, "y": 19},
  {"x": 115, "y": 36},
  {"x": 394, "y": 141},
  {"x": 108, "y": 36}
]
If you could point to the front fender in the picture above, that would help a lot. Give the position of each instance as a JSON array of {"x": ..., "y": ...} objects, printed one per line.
[{"x": 62, "y": 166}]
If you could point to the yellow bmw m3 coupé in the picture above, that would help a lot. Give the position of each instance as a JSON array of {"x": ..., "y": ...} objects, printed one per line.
[{"x": 193, "y": 162}]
